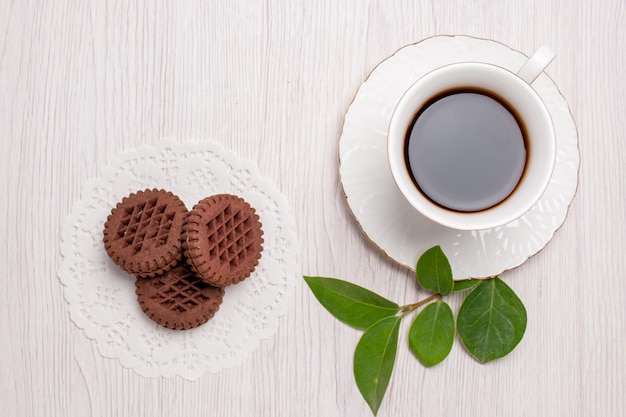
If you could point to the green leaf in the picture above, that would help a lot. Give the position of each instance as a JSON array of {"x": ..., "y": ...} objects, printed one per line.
[
  {"x": 432, "y": 333},
  {"x": 465, "y": 284},
  {"x": 433, "y": 271},
  {"x": 374, "y": 358},
  {"x": 354, "y": 305},
  {"x": 491, "y": 320}
]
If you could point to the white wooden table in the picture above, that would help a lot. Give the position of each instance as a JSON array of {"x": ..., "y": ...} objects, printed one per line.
[{"x": 82, "y": 81}]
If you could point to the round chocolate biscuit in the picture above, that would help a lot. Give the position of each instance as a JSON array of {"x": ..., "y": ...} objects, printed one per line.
[
  {"x": 223, "y": 239},
  {"x": 177, "y": 299},
  {"x": 143, "y": 233}
]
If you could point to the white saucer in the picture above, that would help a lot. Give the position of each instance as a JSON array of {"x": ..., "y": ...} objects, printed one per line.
[{"x": 383, "y": 213}]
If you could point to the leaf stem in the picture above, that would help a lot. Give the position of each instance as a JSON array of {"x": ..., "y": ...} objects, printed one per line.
[{"x": 404, "y": 310}]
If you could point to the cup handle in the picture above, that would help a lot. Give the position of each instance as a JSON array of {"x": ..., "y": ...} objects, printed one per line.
[{"x": 536, "y": 64}]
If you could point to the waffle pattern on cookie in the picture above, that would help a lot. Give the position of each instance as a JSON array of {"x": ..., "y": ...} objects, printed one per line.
[
  {"x": 146, "y": 225},
  {"x": 230, "y": 236},
  {"x": 178, "y": 299},
  {"x": 144, "y": 231},
  {"x": 223, "y": 239}
]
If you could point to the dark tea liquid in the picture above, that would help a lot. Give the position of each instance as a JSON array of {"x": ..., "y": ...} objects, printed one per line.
[{"x": 466, "y": 150}]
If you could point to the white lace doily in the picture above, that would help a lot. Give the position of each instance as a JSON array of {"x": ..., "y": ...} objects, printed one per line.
[{"x": 101, "y": 297}]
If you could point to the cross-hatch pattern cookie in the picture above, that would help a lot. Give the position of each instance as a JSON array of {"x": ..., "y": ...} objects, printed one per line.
[
  {"x": 177, "y": 299},
  {"x": 143, "y": 233},
  {"x": 145, "y": 224},
  {"x": 223, "y": 239},
  {"x": 230, "y": 236}
]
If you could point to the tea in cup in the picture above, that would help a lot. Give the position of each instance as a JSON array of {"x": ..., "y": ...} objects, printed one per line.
[{"x": 472, "y": 145}]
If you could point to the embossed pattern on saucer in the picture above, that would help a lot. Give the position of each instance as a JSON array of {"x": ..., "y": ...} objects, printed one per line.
[{"x": 381, "y": 211}]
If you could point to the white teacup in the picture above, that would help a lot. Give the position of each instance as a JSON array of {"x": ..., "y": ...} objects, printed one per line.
[{"x": 512, "y": 90}]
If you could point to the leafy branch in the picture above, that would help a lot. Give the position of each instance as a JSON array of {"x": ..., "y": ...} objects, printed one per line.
[{"x": 490, "y": 322}]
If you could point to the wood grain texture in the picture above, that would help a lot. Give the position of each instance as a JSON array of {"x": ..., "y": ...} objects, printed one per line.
[{"x": 83, "y": 80}]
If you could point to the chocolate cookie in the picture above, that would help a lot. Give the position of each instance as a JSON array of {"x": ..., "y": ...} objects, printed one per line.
[
  {"x": 177, "y": 299},
  {"x": 143, "y": 233},
  {"x": 223, "y": 239}
]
